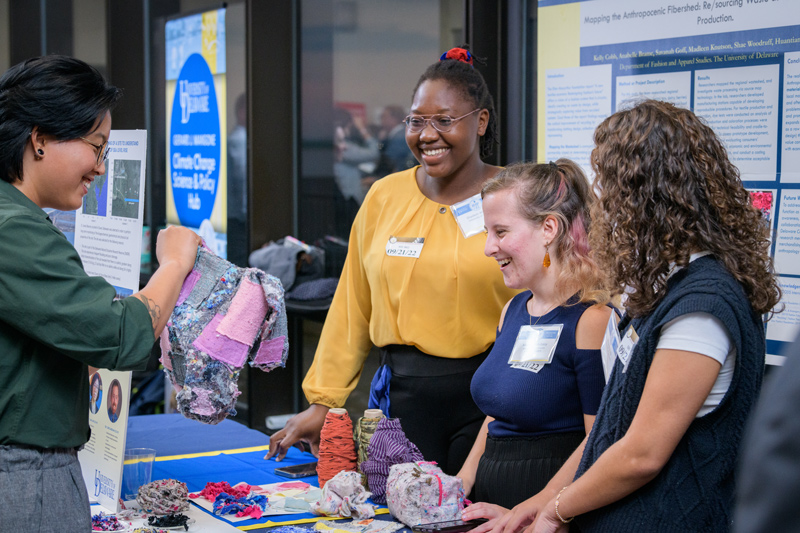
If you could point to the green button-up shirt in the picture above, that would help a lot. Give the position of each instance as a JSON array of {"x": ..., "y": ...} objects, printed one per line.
[{"x": 54, "y": 321}]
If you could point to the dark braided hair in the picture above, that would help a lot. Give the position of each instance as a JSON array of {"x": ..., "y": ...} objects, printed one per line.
[
  {"x": 62, "y": 96},
  {"x": 470, "y": 82}
]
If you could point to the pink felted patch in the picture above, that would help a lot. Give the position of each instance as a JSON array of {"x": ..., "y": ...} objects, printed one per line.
[
  {"x": 293, "y": 485},
  {"x": 220, "y": 347},
  {"x": 163, "y": 341},
  {"x": 270, "y": 351},
  {"x": 188, "y": 285},
  {"x": 202, "y": 405},
  {"x": 246, "y": 313}
]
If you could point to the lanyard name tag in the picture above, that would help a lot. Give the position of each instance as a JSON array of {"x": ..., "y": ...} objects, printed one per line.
[
  {"x": 536, "y": 344},
  {"x": 469, "y": 216},
  {"x": 611, "y": 342},
  {"x": 404, "y": 246},
  {"x": 626, "y": 346}
]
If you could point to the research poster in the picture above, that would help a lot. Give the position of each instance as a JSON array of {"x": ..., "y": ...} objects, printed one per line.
[
  {"x": 108, "y": 227},
  {"x": 736, "y": 63},
  {"x": 196, "y": 129}
]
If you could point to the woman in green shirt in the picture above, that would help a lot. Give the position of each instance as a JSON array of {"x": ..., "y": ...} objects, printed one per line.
[{"x": 56, "y": 320}]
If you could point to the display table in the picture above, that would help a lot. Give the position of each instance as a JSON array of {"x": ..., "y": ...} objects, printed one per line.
[{"x": 197, "y": 454}]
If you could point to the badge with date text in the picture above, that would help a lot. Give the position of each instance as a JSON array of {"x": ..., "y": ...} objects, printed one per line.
[{"x": 404, "y": 246}]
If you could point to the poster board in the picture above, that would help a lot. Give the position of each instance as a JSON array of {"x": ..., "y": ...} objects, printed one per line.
[
  {"x": 196, "y": 126},
  {"x": 736, "y": 63}
]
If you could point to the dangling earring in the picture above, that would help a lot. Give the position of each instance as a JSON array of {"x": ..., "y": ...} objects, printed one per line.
[{"x": 546, "y": 261}]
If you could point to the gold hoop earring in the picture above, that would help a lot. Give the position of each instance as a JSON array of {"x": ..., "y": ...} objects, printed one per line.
[{"x": 546, "y": 261}]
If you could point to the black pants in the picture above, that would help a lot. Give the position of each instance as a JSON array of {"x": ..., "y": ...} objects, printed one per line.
[
  {"x": 512, "y": 470},
  {"x": 430, "y": 395}
]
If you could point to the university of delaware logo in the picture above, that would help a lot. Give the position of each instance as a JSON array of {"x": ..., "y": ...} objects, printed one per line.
[
  {"x": 103, "y": 485},
  {"x": 193, "y": 98}
]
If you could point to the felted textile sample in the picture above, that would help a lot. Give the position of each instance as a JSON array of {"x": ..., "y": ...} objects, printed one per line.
[
  {"x": 163, "y": 497},
  {"x": 419, "y": 493},
  {"x": 344, "y": 495},
  {"x": 225, "y": 317},
  {"x": 388, "y": 446}
]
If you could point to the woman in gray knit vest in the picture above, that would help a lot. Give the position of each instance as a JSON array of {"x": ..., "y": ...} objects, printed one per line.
[{"x": 678, "y": 236}]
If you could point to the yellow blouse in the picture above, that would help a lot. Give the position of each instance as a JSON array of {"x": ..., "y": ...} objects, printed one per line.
[{"x": 446, "y": 303}]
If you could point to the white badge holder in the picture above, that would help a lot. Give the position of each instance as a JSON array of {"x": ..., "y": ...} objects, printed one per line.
[
  {"x": 405, "y": 246},
  {"x": 469, "y": 216},
  {"x": 626, "y": 345},
  {"x": 611, "y": 341},
  {"x": 535, "y": 344}
]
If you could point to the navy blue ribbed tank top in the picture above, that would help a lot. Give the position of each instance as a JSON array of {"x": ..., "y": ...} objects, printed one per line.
[{"x": 554, "y": 400}]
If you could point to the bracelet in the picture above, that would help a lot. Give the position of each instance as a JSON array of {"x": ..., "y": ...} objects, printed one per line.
[{"x": 568, "y": 520}]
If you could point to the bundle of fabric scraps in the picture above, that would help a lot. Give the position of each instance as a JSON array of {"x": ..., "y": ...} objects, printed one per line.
[
  {"x": 225, "y": 316},
  {"x": 420, "y": 493},
  {"x": 164, "y": 496},
  {"x": 344, "y": 495},
  {"x": 104, "y": 522},
  {"x": 252, "y": 505},
  {"x": 369, "y": 525},
  {"x": 212, "y": 489}
]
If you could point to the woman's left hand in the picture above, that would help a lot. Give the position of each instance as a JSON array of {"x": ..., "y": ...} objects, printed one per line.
[{"x": 489, "y": 511}]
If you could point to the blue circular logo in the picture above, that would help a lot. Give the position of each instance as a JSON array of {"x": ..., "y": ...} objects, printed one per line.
[{"x": 194, "y": 143}]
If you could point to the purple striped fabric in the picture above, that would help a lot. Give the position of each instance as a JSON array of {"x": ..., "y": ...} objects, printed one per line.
[{"x": 389, "y": 446}]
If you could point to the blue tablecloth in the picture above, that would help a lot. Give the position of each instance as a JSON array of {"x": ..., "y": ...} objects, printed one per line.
[
  {"x": 197, "y": 454},
  {"x": 175, "y": 434}
]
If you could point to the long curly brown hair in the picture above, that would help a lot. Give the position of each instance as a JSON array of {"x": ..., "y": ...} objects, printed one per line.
[
  {"x": 667, "y": 189},
  {"x": 561, "y": 190}
]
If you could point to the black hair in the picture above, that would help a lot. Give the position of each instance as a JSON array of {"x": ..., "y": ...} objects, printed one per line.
[
  {"x": 62, "y": 96},
  {"x": 470, "y": 82}
]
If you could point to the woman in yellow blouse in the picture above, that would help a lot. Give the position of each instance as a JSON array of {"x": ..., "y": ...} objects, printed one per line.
[{"x": 416, "y": 282}]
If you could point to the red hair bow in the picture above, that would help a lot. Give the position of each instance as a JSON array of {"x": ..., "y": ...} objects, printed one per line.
[{"x": 458, "y": 54}]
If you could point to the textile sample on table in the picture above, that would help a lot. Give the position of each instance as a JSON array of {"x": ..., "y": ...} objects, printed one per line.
[
  {"x": 419, "y": 493},
  {"x": 225, "y": 316},
  {"x": 364, "y": 430},
  {"x": 388, "y": 446},
  {"x": 337, "y": 449},
  {"x": 369, "y": 525},
  {"x": 163, "y": 496},
  {"x": 344, "y": 495}
]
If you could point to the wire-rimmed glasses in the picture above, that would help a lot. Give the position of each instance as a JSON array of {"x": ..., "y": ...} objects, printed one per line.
[
  {"x": 441, "y": 123},
  {"x": 102, "y": 153}
]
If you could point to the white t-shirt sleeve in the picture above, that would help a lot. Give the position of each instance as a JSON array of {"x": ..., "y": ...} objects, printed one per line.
[{"x": 705, "y": 334}]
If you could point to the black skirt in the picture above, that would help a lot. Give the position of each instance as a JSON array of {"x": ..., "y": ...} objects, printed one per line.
[{"x": 513, "y": 469}]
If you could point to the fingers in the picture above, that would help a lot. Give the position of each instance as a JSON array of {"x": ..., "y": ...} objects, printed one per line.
[
  {"x": 276, "y": 445},
  {"x": 486, "y": 526}
]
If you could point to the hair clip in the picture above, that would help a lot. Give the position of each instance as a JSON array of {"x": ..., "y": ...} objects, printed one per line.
[{"x": 458, "y": 54}]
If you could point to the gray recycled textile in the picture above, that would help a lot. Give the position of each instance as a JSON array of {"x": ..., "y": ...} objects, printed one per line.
[{"x": 226, "y": 316}]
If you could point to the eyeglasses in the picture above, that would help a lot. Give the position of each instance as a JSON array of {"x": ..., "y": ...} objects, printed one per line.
[
  {"x": 102, "y": 153},
  {"x": 441, "y": 123}
]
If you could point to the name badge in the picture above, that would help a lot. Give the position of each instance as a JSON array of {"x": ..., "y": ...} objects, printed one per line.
[
  {"x": 530, "y": 367},
  {"x": 626, "y": 346},
  {"x": 469, "y": 216},
  {"x": 404, "y": 246},
  {"x": 535, "y": 344},
  {"x": 611, "y": 341}
]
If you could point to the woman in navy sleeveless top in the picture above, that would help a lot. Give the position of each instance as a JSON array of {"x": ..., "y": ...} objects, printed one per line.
[{"x": 541, "y": 397}]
